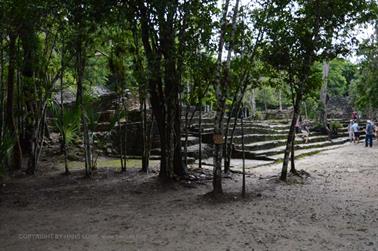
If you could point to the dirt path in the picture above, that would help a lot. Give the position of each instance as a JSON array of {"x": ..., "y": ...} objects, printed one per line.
[{"x": 335, "y": 209}]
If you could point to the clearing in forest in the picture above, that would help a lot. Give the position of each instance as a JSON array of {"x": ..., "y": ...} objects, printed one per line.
[{"x": 335, "y": 208}]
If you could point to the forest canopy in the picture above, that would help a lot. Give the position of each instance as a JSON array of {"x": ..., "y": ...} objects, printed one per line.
[{"x": 169, "y": 56}]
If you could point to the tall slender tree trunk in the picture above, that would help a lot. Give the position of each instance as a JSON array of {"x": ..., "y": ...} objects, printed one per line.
[
  {"x": 124, "y": 136},
  {"x": 242, "y": 134},
  {"x": 305, "y": 110},
  {"x": 323, "y": 100},
  {"x": 220, "y": 91},
  {"x": 253, "y": 102},
  {"x": 291, "y": 135},
  {"x": 120, "y": 133},
  {"x": 147, "y": 134},
  {"x": 265, "y": 101},
  {"x": 10, "y": 123},
  {"x": 64, "y": 139},
  {"x": 221, "y": 96},
  {"x": 33, "y": 102},
  {"x": 142, "y": 103},
  {"x": 141, "y": 79},
  {"x": 292, "y": 156},
  {"x": 237, "y": 102},
  {"x": 143, "y": 111},
  {"x": 186, "y": 134},
  {"x": 19, "y": 120},
  {"x": 179, "y": 168},
  {"x": 200, "y": 137},
  {"x": 228, "y": 145},
  {"x": 164, "y": 81},
  {"x": 80, "y": 68},
  {"x": 2, "y": 88}
]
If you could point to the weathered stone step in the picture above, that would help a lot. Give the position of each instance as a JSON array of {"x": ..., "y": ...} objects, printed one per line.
[
  {"x": 281, "y": 149},
  {"x": 255, "y": 124},
  {"x": 251, "y": 138},
  {"x": 307, "y": 152},
  {"x": 247, "y": 130},
  {"x": 254, "y": 138},
  {"x": 250, "y": 164},
  {"x": 191, "y": 140},
  {"x": 275, "y": 143}
]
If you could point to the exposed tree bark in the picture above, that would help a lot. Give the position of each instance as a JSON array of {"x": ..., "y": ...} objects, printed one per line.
[
  {"x": 220, "y": 91},
  {"x": 163, "y": 80},
  {"x": 148, "y": 139},
  {"x": 145, "y": 155},
  {"x": 2, "y": 88},
  {"x": 19, "y": 120},
  {"x": 228, "y": 145},
  {"x": 265, "y": 100},
  {"x": 292, "y": 156},
  {"x": 239, "y": 94},
  {"x": 140, "y": 73},
  {"x": 186, "y": 134},
  {"x": 64, "y": 139},
  {"x": 253, "y": 102},
  {"x": 31, "y": 98},
  {"x": 80, "y": 68},
  {"x": 323, "y": 101},
  {"x": 242, "y": 134},
  {"x": 323, "y": 95},
  {"x": 63, "y": 131},
  {"x": 290, "y": 140},
  {"x": 200, "y": 136},
  {"x": 236, "y": 104},
  {"x": 124, "y": 141},
  {"x": 9, "y": 120}
]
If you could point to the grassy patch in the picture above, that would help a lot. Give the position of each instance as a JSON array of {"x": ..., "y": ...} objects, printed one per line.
[{"x": 108, "y": 163}]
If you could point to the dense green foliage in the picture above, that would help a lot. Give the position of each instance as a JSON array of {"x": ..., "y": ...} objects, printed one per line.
[
  {"x": 365, "y": 87},
  {"x": 169, "y": 54}
]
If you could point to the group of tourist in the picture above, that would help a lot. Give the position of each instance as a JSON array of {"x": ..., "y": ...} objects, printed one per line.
[{"x": 354, "y": 131}]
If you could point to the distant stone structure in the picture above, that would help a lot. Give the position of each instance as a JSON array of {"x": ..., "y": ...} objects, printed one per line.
[{"x": 339, "y": 107}]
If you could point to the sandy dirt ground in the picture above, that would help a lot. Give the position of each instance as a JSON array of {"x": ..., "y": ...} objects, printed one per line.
[{"x": 336, "y": 208}]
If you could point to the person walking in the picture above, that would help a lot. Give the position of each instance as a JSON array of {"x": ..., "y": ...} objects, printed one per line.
[
  {"x": 356, "y": 132},
  {"x": 350, "y": 131},
  {"x": 369, "y": 134}
]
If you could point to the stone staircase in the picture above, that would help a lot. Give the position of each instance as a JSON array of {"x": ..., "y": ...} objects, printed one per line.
[{"x": 265, "y": 141}]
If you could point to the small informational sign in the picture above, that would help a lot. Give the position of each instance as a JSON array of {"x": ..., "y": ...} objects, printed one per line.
[{"x": 218, "y": 139}]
